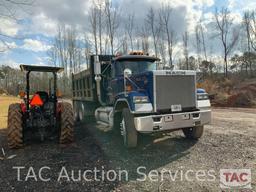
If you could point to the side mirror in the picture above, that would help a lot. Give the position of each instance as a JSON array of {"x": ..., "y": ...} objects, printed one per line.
[
  {"x": 22, "y": 94},
  {"x": 127, "y": 72},
  {"x": 97, "y": 65}
]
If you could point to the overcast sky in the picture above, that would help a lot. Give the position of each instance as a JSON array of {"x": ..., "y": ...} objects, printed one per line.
[{"x": 38, "y": 26}]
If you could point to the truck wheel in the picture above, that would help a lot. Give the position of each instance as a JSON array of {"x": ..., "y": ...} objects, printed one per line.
[
  {"x": 193, "y": 132},
  {"x": 66, "y": 123},
  {"x": 14, "y": 127},
  {"x": 76, "y": 117},
  {"x": 128, "y": 130},
  {"x": 76, "y": 113},
  {"x": 117, "y": 121}
]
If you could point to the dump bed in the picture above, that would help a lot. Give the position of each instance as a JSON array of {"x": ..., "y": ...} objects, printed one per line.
[{"x": 83, "y": 83}]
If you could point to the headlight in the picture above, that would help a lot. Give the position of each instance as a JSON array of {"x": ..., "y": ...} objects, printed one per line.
[
  {"x": 140, "y": 99},
  {"x": 202, "y": 97}
]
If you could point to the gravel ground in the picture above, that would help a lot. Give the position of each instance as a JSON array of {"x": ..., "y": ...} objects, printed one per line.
[{"x": 229, "y": 142}]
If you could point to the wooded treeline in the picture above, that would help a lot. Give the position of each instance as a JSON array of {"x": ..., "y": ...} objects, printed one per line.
[
  {"x": 109, "y": 30},
  {"x": 112, "y": 31}
]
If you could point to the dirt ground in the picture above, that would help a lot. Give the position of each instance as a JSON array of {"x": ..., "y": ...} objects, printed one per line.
[{"x": 229, "y": 142}]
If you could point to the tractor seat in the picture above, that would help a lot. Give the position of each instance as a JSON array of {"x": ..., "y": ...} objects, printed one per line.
[{"x": 44, "y": 95}]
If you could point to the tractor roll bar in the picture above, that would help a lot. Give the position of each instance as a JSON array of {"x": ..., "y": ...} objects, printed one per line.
[
  {"x": 55, "y": 92},
  {"x": 27, "y": 89}
]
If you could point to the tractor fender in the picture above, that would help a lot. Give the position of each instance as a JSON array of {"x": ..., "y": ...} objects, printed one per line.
[{"x": 23, "y": 107}]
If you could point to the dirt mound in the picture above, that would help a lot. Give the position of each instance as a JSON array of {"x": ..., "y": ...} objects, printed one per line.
[
  {"x": 245, "y": 96},
  {"x": 231, "y": 93}
]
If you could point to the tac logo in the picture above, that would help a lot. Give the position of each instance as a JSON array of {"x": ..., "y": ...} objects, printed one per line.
[{"x": 235, "y": 178}]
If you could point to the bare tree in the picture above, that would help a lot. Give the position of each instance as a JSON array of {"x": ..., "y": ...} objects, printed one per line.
[
  {"x": 200, "y": 36},
  {"x": 96, "y": 20},
  {"x": 129, "y": 26},
  {"x": 246, "y": 23},
  {"x": 112, "y": 16},
  {"x": 71, "y": 49},
  {"x": 144, "y": 38},
  {"x": 87, "y": 50},
  {"x": 94, "y": 26},
  {"x": 162, "y": 50},
  {"x": 165, "y": 16},
  {"x": 52, "y": 54},
  {"x": 124, "y": 45},
  {"x": 9, "y": 10},
  {"x": 247, "y": 26},
  {"x": 152, "y": 22},
  {"x": 253, "y": 29},
  {"x": 227, "y": 34},
  {"x": 198, "y": 43},
  {"x": 185, "y": 49},
  {"x": 68, "y": 53},
  {"x": 61, "y": 47},
  {"x": 100, "y": 5},
  {"x": 203, "y": 40}
]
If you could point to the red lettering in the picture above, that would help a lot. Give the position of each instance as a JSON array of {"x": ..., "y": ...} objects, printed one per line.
[
  {"x": 242, "y": 177},
  {"x": 227, "y": 176},
  {"x": 234, "y": 177}
]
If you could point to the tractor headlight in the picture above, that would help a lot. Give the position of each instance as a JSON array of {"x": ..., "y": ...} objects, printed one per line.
[
  {"x": 140, "y": 99},
  {"x": 202, "y": 96}
]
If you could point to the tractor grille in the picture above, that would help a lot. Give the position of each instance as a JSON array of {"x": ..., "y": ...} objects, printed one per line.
[{"x": 175, "y": 90}]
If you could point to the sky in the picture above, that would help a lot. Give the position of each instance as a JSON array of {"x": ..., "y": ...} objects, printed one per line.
[{"x": 36, "y": 26}]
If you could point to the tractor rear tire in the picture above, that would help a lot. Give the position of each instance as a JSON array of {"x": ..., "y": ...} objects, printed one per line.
[
  {"x": 66, "y": 124},
  {"x": 193, "y": 132},
  {"x": 15, "y": 127}
]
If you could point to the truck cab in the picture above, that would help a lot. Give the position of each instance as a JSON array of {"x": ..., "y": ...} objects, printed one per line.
[{"x": 133, "y": 96}]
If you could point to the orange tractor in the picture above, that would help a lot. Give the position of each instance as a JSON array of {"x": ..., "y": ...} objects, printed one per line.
[{"x": 41, "y": 115}]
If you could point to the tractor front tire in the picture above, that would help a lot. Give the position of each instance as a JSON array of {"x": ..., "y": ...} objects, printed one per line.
[
  {"x": 66, "y": 124},
  {"x": 193, "y": 132},
  {"x": 15, "y": 126}
]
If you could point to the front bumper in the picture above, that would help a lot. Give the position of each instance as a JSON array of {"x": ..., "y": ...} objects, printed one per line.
[{"x": 166, "y": 122}]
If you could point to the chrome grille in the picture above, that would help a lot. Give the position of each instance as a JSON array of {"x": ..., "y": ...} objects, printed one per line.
[{"x": 175, "y": 90}]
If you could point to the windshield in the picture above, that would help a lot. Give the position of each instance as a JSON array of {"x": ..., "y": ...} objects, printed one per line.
[{"x": 135, "y": 66}]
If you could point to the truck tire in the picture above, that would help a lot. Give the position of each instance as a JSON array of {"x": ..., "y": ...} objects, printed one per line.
[
  {"x": 128, "y": 130},
  {"x": 76, "y": 112},
  {"x": 76, "y": 117},
  {"x": 193, "y": 132},
  {"x": 117, "y": 122},
  {"x": 66, "y": 124},
  {"x": 15, "y": 127}
]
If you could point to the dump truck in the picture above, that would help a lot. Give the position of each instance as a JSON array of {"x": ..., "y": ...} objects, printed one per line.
[
  {"x": 41, "y": 114},
  {"x": 130, "y": 96}
]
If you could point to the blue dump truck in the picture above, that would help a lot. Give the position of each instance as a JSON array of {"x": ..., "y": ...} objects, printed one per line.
[{"x": 130, "y": 96}]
